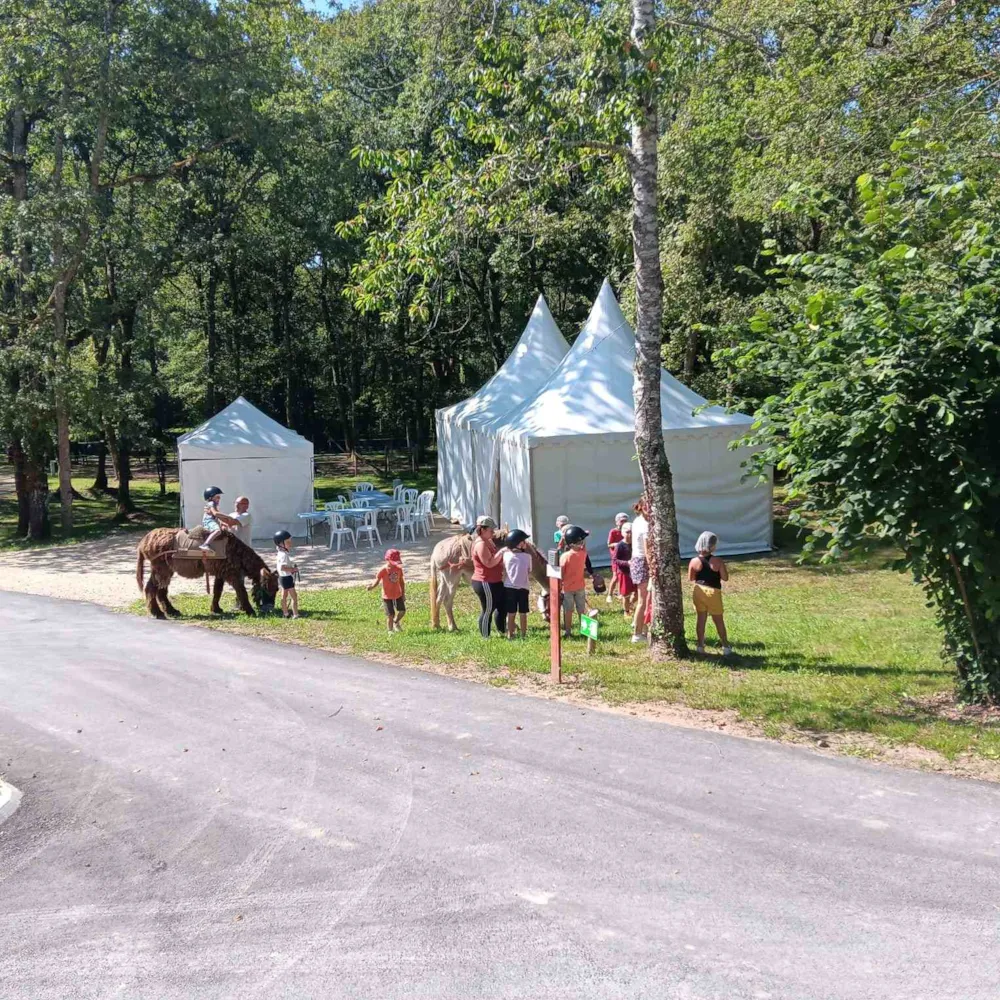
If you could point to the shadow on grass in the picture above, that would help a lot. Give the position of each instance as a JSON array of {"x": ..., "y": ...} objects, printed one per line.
[{"x": 801, "y": 663}]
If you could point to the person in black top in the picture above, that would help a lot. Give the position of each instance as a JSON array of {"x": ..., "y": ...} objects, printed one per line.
[{"x": 707, "y": 572}]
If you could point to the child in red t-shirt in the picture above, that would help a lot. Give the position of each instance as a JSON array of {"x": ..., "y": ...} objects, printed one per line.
[{"x": 390, "y": 575}]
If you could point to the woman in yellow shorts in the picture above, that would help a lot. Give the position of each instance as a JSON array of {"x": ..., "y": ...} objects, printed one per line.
[{"x": 707, "y": 572}]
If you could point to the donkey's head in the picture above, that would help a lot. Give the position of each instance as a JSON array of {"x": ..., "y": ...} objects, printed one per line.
[{"x": 264, "y": 591}]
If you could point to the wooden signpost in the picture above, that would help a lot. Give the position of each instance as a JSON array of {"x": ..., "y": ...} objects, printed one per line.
[{"x": 555, "y": 621}]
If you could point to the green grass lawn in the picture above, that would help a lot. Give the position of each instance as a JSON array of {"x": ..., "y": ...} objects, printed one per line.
[{"x": 845, "y": 649}]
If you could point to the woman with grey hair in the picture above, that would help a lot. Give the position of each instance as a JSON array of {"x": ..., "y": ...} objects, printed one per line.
[{"x": 707, "y": 572}]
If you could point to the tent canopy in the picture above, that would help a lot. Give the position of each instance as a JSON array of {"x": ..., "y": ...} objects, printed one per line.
[
  {"x": 244, "y": 451},
  {"x": 242, "y": 431},
  {"x": 591, "y": 390},
  {"x": 467, "y": 481},
  {"x": 570, "y": 449}
]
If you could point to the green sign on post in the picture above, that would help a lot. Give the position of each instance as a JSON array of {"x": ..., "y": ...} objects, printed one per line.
[{"x": 588, "y": 626}]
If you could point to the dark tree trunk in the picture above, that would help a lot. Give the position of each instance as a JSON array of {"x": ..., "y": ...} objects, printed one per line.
[
  {"x": 286, "y": 339},
  {"x": 111, "y": 436},
  {"x": 101, "y": 477},
  {"x": 161, "y": 469},
  {"x": 690, "y": 354},
  {"x": 36, "y": 489},
  {"x": 662, "y": 543},
  {"x": 20, "y": 487},
  {"x": 60, "y": 294},
  {"x": 127, "y": 333},
  {"x": 212, "y": 337},
  {"x": 125, "y": 505}
]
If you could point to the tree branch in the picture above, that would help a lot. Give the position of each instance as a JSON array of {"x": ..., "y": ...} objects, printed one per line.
[{"x": 149, "y": 176}]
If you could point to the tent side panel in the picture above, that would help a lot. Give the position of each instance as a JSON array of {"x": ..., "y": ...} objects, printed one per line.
[
  {"x": 485, "y": 475},
  {"x": 515, "y": 487},
  {"x": 456, "y": 471},
  {"x": 443, "y": 435},
  {"x": 712, "y": 495},
  {"x": 590, "y": 480},
  {"x": 463, "y": 476},
  {"x": 278, "y": 488}
]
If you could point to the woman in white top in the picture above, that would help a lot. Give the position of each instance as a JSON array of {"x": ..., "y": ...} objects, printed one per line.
[{"x": 639, "y": 571}]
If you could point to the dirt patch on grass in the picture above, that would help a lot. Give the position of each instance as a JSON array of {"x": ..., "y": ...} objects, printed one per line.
[{"x": 945, "y": 706}]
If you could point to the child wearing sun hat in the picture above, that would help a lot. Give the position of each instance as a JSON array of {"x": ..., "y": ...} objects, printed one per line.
[{"x": 390, "y": 575}]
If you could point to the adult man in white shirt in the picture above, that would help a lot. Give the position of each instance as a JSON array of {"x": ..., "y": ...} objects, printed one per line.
[{"x": 242, "y": 515}]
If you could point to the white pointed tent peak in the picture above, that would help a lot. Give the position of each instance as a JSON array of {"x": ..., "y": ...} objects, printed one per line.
[
  {"x": 591, "y": 390},
  {"x": 240, "y": 430}
]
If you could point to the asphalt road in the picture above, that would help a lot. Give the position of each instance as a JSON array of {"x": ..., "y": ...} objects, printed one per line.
[{"x": 205, "y": 816}]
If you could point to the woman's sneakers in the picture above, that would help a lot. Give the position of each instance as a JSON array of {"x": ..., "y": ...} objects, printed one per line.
[
  {"x": 638, "y": 638},
  {"x": 727, "y": 650},
  {"x": 700, "y": 650}
]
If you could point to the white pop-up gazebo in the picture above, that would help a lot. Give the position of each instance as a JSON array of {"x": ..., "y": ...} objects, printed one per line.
[
  {"x": 467, "y": 461},
  {"x": 570, "y": 449},
  {"x": 243, "y": 451}
]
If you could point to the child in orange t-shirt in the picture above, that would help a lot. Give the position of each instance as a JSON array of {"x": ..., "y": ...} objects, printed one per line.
[
  {"x": 390, "y": 575},
  {"x": 573, "y": 564}
]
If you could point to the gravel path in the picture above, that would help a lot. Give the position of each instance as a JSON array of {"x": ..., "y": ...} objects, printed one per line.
[{"x": 103, "y": 571}]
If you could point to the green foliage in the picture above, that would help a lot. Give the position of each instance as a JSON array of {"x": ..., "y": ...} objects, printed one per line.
[{"x": 887, "y": 349}]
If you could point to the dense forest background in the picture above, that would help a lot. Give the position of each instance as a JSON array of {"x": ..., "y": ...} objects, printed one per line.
[{"x": 207, "y": 198}]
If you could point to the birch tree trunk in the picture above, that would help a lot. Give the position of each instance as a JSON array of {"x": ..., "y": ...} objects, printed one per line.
[
  {"x": 59, "y": 296},
  {"x": 662, "y": 545}
]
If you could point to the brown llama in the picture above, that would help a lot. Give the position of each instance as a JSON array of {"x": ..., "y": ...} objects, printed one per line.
[{"x": 240, "y": 562}]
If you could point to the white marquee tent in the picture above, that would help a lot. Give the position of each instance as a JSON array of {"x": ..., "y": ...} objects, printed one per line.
[
  {"x": 569, "y": 449},
  {"x": 244, "y": 451},
  {"x": 467, "y": 457}
]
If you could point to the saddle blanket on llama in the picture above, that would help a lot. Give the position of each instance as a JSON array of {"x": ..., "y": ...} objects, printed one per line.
[{"x": 189, "y": 540}]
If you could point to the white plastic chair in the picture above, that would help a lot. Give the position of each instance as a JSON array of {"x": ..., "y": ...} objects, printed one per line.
[
  {"x": 362, "y": 502},
  {"x": 367, "y": 526},
  {"x": 397, "y": 493},
  {"x": 338, "y": 529},
  {"x": 424, "y": 515},
  {"x": 364, "y": 488},
  {"x": 404, "y": 520},
  {"x": 335, "y": 505},
  {"x": 410, "y": 496}
]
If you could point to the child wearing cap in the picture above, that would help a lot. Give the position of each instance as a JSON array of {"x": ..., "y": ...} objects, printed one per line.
[
  {"x": 390, "y": 575},
  {"x": 573, "y": 564},
  {"x": 516, "y": 577}
]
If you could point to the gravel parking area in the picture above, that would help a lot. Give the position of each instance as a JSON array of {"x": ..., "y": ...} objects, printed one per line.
[{"x": 103, "y": 571}]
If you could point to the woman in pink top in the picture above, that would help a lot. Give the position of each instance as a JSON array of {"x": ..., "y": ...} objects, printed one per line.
[{"x": 487, "y": 577}]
